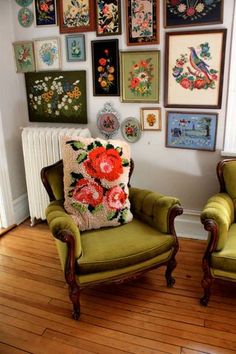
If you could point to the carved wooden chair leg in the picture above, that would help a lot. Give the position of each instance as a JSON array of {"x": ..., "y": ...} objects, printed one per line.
[
  {"x": 74, "y": 293},
  {"x": 206, "y": 284},
  {"x": 171, "y": 265}
]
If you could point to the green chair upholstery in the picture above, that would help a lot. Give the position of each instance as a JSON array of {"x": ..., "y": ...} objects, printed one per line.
[
  {"x": 218, "y": 218},
  {"x": 112, "y": 254}
]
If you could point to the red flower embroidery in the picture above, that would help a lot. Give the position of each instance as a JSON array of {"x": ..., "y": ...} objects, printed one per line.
[
  {"x": 135, "y": 81},
  {"x": 102, "y": 163},
  {"x": 102, "y": 61},
  {"x": 87, "y": 192},
  {"x": 199, "y": 83},
  {"x": 116, "y": 197},
  {"x": 190, "y": 11},
  {"x": 185, "y": 83}
]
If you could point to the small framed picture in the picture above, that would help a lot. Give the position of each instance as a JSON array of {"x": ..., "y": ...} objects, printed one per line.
[
  {"x": 108, "y": 17},
  {"x": 192, "y": 13},
  {"x": 150, "y": 118},
  {"x": 105, "y": 61},
  {"x": 45, "y": 13},
  {"x": 24, "y": 56},
  {"x": 75, "y": 47},
  {"x": 47, "y": 54},
  {"x": 140, "y": 74},
  {"x": 142, "y": 22},
  {"x": 191, "y": 130},
  {"x": 108, "y": 121},
  {"x": 76, "y": 16}
]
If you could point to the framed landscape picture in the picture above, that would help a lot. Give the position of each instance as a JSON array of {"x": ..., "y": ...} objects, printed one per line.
[
  {"x": 57, "y": 97},
  {"x": 45, "y": 13},
  {"x": 108, "y": 17},
  {"x": 24, "y": 56},
  {"x": 47, "y": 54},
  {"x": 192, "y": 13},
  {"x": 194, "y": 68},
  {"x": 191, "y": 130},
  {"x": 142, "y": 22},
  {"x": 76, "y": 16},
  {"x": 105, "y": 61},
  {"x": 150, "y": 118},
  {"x": 75, "y": 47},
  {"x": 140, "y": 75}
]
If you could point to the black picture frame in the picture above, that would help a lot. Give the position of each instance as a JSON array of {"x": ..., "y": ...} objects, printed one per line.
[{"x": 105, "y": 67}]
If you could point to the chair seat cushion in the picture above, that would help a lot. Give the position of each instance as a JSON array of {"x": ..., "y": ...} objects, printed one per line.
[
  {"x": 129, "y": 244},
  {"x": 226, "y": 258}
]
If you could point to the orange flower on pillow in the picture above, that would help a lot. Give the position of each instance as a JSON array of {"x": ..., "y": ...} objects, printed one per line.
[
  {"x": 116, "y": 198},
  {"x": 104, "y": 164},
  {"x": 87, "y": 192}
]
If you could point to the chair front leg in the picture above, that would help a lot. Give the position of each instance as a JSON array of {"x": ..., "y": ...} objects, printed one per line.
[
  {"x": 206, "y": 282},
  {"x": 74, "y": 293},
  {"x": 171, "y": 265}
]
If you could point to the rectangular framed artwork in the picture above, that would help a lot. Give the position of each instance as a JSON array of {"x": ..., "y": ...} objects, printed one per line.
[
  {"x": 24, "y": 56},
  {"x": 142, "y": 22},
  {"x": 192, "y": 13},
  {"x": 45, "y": 13},
  {"x": 150, "y": 118},
  {"x": 76, "y": 16},
  {"x": 191, "y": 130},
  {"x": 140, "y": 74},
  {"x": 57, "y": 96},
  {"x": 108, "y": 17},
  {"x": 75, "y": 47},
  {"x": 194, "y": 68},
  {"x": 47, "y": 54},
  {"x": 105, "y": 61}
]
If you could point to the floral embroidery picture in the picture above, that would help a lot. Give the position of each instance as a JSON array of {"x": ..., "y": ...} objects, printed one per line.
[
  {"x": 192, "y": 12},
  {"x": 45, "y": 12},
  {"x": 47, "y": 54},
  {"x": 57, "y": 96},
  {"x": 105, "y": 59},
  {"x": 195, "y": 66},
  {"x": 75, "y": 47},
  {"x": 150, "y": 118},
  {"x": 96, "y": 176},
  {"x": 108, "y": 17},
  {"x": 130, "y": 129},
  {"x": 140, "y": 75},
  {"x": 24, "y": 56}
]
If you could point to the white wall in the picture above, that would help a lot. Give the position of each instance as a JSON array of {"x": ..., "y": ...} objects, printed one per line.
[{"x": 187, "y": 174}]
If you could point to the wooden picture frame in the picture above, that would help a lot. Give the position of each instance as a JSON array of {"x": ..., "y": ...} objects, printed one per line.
[
  {"x": 191, "y": 130},
  {"x": 108, "y": 17},
  {"x": 76, "y": 16},
  {"x": 150, "y": 118},
  {"x": 75, "y": 47},
  {"x": 142, "y": 22},
  {"x": 105, "y": 62},
  {"x": 24, "y": 56},
  {"x": 47, "y": 52},
  {"x": 194, "y": 68},
  {"x": 187, "y": 13},
  {"x": 57, "y": 97},
  {"x": 140, "y": 76},
  {"x": 45, "y": 14}
]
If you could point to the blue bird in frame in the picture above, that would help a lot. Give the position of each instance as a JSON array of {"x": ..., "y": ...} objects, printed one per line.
[{"x": 199, "y": 65}]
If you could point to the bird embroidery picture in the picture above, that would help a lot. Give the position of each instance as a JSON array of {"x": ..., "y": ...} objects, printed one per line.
[{"x": 192, "y": 70}]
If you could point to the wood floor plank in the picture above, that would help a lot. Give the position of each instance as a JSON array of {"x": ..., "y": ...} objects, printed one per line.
[{"x": 8, "y": 349}]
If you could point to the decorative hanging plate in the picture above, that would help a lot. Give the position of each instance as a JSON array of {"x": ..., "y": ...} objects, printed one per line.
[
  {"x": 107, "y": 121},
  {"x": 131, "y": 130},
  {"x": 25, "y": 17},
  {"x": 24, "y": 3}
]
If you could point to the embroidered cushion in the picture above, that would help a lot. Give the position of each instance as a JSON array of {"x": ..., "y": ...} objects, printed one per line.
[{"x": 96, "y": 174}]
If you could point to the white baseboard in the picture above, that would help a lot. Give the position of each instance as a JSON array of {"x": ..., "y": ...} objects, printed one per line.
[
  {"x": 21, "y": 208},
  {"x": 189, "y": 225}
]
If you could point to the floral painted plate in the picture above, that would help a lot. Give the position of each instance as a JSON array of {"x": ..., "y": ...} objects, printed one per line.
[
  {"x": 107, "y": 121},
  {"x": 25, "y": 17},
  {"x": 24, "y": 3},
  {"x": 131, "y": 130}
]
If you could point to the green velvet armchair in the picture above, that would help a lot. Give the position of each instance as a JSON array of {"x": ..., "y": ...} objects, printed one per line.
[
  {"x": 218, "y": 218},
  {"x": 113, "y": 254}
]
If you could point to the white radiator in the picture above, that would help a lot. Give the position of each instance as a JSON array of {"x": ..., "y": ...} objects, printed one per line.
[{"x": 41, "y": 148}]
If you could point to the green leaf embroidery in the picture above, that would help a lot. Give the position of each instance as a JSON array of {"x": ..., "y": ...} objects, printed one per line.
[
  {"x": 81, "y": 157},
  {"x": 76, "y": 145},
  {"x": 79, "y": 207}
]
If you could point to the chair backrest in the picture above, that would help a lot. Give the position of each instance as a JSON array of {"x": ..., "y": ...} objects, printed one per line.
[
  {"x": 52, "y": 178},
  {"x": 226, "y": 172}
]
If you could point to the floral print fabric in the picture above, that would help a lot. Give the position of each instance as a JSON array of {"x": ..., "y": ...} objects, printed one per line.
[{"x": 96, "y": 174}]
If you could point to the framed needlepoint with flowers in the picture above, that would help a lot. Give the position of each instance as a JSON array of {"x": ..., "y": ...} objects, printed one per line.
[
  {"x": 179, "y": 13},
  {"x": 194, "y": 68},
  {"x": 105, "y": 61},
  {"x": 140, "y": 73}
]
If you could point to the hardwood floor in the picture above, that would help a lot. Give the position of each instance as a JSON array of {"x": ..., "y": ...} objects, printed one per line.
[{"x": 140, "y": 317}]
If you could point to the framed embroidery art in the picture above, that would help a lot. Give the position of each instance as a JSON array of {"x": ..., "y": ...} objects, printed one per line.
[
  {"x": 47, "y": 54},
  {"x": 75, "y": 47},
  {"x": 108, "y": 121},
  {"x": 191, "y": 130},
  {"x": 76, "y": 16},
  {"x": 142, "y": 22},
  {"x": 45, "y": 13},
  {"x": 105, "y": 61},
  {"x": 192, "y": 13},
  {"x": 150, "y": 118},
  {"x": 24, "y": 56},
  {"x": 194, "y": 68},
  {"x": 140, "y": 74},
  {"x": 108, "y": 17},
  {"x": 57, "y": 97}
]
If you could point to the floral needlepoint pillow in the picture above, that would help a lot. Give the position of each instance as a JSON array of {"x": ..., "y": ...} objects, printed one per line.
[{"x": 96, "y": 174}]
